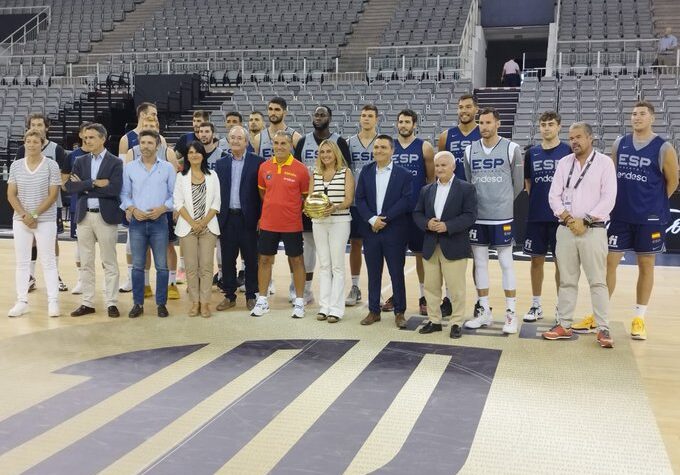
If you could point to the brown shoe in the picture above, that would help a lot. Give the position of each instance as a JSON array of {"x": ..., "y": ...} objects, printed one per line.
[
  {"x": 225, "y": 304},
  {"x": 250, "y": 303},
  {"x": 205, "y": 310},
  {"x": 371, "y": 318},
  {"x": 605, "y": 339},
  {"x": 400, "y": 320},
  {"x": 193, "y": 311}
]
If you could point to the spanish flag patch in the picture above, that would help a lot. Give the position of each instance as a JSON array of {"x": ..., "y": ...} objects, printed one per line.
[
  {"x": 507, "y": 227},
  {"x": 656, "y": 235}
]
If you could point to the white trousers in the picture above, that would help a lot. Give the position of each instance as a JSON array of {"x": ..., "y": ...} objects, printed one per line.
[
  {"x": 330, "y": 240},
  {"x": 45, "y": 235}
]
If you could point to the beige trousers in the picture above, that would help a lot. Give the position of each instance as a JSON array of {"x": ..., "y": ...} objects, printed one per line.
[
  {"x": 91, "y": 230},
  {"x": 588, "y": 251},
  {"x": 199, "y": 252},
  {"x": 453, "y": 272}
]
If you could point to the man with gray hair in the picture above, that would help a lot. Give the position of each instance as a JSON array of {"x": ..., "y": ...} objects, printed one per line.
[
  {"x": 445, "y": 211},
  {"x": 582, "y": 195},
  {"x": 668, "y": 44}
]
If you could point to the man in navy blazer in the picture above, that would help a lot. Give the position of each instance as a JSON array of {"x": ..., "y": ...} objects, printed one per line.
[
  {"x": 383, "y": 199},
  {"x": 97, "y": 178},
  {"x": 239, "y": 215},
  {"x": 445, "y": 210}
]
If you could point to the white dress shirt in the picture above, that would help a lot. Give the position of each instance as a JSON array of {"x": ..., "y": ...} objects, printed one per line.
[
  {"x": 440, "y": 197},
  {"x": 382, "y": 179}
]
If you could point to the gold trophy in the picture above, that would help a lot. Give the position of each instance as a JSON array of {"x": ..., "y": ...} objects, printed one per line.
[{"x": 316, "y": 205}]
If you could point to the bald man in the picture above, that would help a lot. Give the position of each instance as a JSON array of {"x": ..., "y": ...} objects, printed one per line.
[{"x": 446, "y": 210}]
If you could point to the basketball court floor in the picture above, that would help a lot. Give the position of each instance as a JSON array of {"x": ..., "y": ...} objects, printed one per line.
[{"x": 240, "y": 395}]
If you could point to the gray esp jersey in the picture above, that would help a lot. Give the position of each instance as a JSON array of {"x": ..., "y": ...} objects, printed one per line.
[
  {"x": 161, "y": 154},
  {"x": 497, "y": 177},
  {"x": 267, "y": 147},
  {"x": 361, "y": 156},
  {"x": 310, "y": 150},
  {"x": 214, "y": 156}
]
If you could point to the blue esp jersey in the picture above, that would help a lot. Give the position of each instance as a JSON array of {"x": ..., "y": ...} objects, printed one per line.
[
  {"x": 641, "y": 186},
  {"x": 456, "y": 142},
  {"x": 539, "y": 168},
  {"x": 412, "y": 159},
  {"x": 132, "y": 138}
]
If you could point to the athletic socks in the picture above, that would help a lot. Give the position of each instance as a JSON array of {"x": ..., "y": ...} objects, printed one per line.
[
  {"x": 484, "y": 302},
  {"x": 510, "y": 303},
  {"x": 536, "y": 301},
  {"x": 640, "y": 311},
  {"x": 355, "y": 280}
]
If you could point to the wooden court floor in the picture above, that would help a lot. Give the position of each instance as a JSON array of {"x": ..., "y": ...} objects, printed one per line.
[{"x": 658, "y": 358}]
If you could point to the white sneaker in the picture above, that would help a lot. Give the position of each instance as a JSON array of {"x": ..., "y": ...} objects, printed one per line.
[
  {"x": 242, "y": 288},
  {"x": 78, "y": 289},
  {"x": 126, "y": 287},
  {"x": 353, "y": 297},
  {"x": 18, "y": 310},
  {"x": 291, "y": 293},
  {"x": 510, "y": 325},
  {"x": 483, "y": 319},
  {"x": 53, "y": 309},
  {"x": 308, "y": 297},
  {"x": 261, "y": 307},
  {"x": 298, "y": 311},
  {"x": 272, "y": 288},
  {"x": 534, "y": 313}
]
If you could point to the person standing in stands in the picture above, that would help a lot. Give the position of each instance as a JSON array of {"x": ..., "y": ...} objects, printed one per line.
[{"x": 510, "y": 76}]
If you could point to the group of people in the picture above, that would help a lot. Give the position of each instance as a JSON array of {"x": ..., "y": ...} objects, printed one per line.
[{"x": 245, "y": 194}]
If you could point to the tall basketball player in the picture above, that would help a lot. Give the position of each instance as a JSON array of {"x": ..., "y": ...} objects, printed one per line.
[
  {"x": 540, "y": 163},
  {"x": 361, "y": 151},
  {"x": 647, "y": 175},
  {"x": 457, "y": 138},
  {"x": 417, "y": 156},
  {"x": 182, "y": 145},
  {"x": 276, "y": 112},
  {"x": 145, "y": 110},
  {"x": 494, "y": 165}
]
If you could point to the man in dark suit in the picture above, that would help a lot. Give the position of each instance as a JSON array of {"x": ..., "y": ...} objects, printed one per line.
[
  {"x": 446, "y": 210},
  {"x": 383, "y": 199},
  {"x": 239, "y": 215},
  {"x": 97, "y": 178}
]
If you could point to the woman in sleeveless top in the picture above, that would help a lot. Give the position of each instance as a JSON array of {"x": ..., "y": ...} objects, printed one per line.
[
  {"x": 197, "y": 199},
  {"x": 333, "y": 177}
]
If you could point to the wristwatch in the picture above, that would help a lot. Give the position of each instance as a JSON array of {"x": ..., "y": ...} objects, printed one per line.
[
  {"x": 588, "y": 220},
  {"x": 34, "y": 215}
]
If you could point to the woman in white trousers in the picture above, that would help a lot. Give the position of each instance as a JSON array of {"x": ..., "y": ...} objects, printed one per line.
[
  {"x": 333, "y": 177},
  {"x": 32, "y": 190}
]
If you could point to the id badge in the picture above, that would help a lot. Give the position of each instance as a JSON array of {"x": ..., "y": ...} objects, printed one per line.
[{"x": 567, "y": 197}]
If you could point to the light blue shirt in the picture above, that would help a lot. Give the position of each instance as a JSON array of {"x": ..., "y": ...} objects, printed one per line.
[
  {"x": 147, "y": 189},
  {"x": 382, "y": 179},
  {"x": 666, "y": 43},
  {"x": 95, "y": 163},
  {"x": 236, "y": 172}
]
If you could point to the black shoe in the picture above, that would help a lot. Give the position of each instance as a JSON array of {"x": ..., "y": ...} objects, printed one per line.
[
  {"x": 113, "y": 312},
  {"x": 446, "y": 308},
  {"x": 136, "y": 311},
  {"x": 431, "y": 328},
  {"x": 240, "y": 278},
  {"x": 162, "y": 311},
  {"x": 456, "y": 331},
  {"x": 82, "y": 310}
]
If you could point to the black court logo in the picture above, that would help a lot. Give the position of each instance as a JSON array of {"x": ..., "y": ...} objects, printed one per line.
[{"x": 339, "y": 433}]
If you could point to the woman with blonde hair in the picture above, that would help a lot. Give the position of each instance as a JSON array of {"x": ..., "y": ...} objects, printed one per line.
[{"x": 333, "y": 178}]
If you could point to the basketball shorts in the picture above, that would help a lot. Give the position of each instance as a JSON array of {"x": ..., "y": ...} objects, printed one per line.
[
  {"x": 641, "y": 238},
  {"x": 491, "y": 235}
]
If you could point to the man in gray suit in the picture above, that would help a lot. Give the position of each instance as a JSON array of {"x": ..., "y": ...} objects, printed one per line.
[
  {"x": 97, "y": 178},
  {"x": 446, "y": 210}
]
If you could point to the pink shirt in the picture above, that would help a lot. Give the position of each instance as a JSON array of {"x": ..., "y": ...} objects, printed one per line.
[{"x": 594, "y": 196}]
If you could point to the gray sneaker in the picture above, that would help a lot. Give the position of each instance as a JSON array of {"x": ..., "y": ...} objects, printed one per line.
[{"x": 353, "y": 297}]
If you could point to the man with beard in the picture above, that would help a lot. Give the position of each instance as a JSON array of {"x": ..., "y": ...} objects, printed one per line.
[
  {"x": 182, "y": 144},
  {"x": 457, "y": 138},
  {"x": 206, "y": 135},
  {"x": 306, "y": 151},
  {"x": 276, "y": 111},
  {"x": 255, "y": 124},
  {"x": 417, "y": 156}
]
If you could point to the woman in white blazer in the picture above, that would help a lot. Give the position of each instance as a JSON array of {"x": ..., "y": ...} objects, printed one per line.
[{"x": 197, "y": 200}]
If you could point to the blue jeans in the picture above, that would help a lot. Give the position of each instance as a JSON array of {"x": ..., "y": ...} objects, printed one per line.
[{"x": 145, "y": 234}]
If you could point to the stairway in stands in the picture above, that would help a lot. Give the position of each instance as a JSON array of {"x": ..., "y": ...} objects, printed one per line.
[
  {"x": 504, "y": 100},
  {"x": 212, "y": 102}
]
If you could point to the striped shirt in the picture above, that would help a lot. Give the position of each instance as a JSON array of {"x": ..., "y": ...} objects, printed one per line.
[
  {"x": 34, "y": 186},
  {"x": 335, "y": 190},
  {"x": 198, "y": 197}
]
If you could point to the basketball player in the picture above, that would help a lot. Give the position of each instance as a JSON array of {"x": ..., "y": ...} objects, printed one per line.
[
  {"x": 206, "y": 135},
  {"x": 647, "y": 175},
  {"x": 255, "y": 124},
  {"x": 417, "y": 156},
  {"x": 182, "y": 145},
  {"x": 41, "y": 123},
  {"x": 457, "y": 138},
  {"x": 540, "y": 163},
  {"x": 145, "y": 110},
  {"x": 361, "y": 151},
  {"x": 494, "y": 165},
  {"x": 276, "y": 111},
  {"x": 232, "y": 118},
  {"x": 307, "y": 150}
]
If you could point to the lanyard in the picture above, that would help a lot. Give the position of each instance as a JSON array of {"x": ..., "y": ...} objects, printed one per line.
[{"x": 583, "y": 173}]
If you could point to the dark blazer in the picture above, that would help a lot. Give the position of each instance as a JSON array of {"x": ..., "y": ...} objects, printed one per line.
[
  {"x": 109, "y": 195},
  {"x": 397, "y": 203},
  {"x": 251, "y": 206},
  {"x": 460, "y": 213}
]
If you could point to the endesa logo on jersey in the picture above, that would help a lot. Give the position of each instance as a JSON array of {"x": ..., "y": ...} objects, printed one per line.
[{"x": 486, "y": 163}]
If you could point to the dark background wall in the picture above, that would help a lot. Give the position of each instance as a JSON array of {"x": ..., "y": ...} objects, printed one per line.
[
  {"x": 9, "y": 23},
  {"x": 517, "y": 12},
  {"x": 499, "y": 51}
]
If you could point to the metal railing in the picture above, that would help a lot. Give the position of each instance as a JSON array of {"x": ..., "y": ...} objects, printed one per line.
[{"x": 29, "y": 30}]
